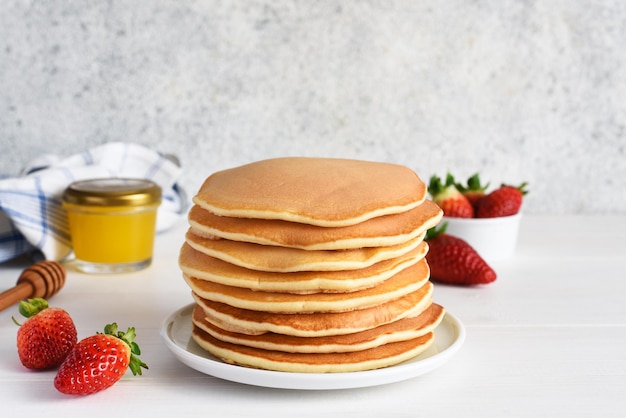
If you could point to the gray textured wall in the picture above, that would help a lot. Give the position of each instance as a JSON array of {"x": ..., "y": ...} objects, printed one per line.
[{"x": 518, "y": 90}]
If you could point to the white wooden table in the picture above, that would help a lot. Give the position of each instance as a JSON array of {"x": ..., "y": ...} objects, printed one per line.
[{"x": 548, "y": 338}]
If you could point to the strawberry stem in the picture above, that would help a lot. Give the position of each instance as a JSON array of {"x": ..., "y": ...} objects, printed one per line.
[
  {"x": 128, "y": 337},
  {"x": 32, "y": 307},
  {"x": 29, "y": 308},
  {"x": 522, "y": 188},
  {"x": 473, "y": 185},
  {"x": 436, "y": 231},
  {"x": 436, "y": 186}
]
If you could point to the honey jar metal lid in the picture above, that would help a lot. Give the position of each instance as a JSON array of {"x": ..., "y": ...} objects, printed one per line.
[{"x": 112, "y": 192}]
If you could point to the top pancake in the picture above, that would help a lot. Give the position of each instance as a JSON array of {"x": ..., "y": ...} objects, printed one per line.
[
  {"x": 380, "y": 231},
  {"x": 317, "y": 191}
]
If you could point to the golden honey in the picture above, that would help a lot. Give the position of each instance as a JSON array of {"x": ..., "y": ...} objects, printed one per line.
[{"x": 112, "y": 223}]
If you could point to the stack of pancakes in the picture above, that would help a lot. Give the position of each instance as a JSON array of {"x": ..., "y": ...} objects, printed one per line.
[{"x": 311, "y": 265}]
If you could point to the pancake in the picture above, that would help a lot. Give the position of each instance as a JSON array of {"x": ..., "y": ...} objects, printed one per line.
[
  {"x": 204, "y": 267},
  {"x": 317, "y": 191},
  {"x": 401, "y": 330},
  {"x": 312, "y": 265},
  {"x": 369, "y": 359},
  {"x": 401, "y": 284},
  {"x": 376, "y": 232},
  {"x": 283, "y": 259},
  {"x": 318, "y": 324}
]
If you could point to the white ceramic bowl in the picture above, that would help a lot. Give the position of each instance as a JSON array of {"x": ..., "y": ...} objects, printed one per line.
[{"x": 493, "y": 238}]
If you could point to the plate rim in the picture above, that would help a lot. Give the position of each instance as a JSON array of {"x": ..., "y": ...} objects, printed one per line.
[{"x": 212, "y": 366}]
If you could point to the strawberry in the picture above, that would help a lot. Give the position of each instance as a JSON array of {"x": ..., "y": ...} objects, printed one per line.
[
  {"x": 453, "y": 261},
  {"x": 503, "y": 201},
  {"x": 46, "y": 337},
  {"x": 99, "y": 361},
  {"x": 449, "y": 198},
  {"x": 473, "y": 189}
]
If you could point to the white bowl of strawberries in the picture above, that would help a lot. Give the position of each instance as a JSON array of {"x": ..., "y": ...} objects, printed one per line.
[{"x": 487, "y": 219}]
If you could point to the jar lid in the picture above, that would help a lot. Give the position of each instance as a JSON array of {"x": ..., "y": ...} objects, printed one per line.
[{"x": 112, "y": 192}]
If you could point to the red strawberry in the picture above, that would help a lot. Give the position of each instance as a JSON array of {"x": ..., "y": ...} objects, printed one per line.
[
  {"x": 449, "y": 199},
  {"x": 504, "y": 201},
  {"x": 473, "y": 190},
  {"x": 99, "y": 361},
  {"x": 46, "y": 337},
  {"x": 453, "y": 261}
]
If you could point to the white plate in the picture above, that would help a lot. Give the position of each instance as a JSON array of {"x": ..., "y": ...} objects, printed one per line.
[{"x": 176, "y": 332}]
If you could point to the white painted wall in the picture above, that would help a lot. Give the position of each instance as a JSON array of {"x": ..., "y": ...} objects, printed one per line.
[{"x": 518, "y": 90}]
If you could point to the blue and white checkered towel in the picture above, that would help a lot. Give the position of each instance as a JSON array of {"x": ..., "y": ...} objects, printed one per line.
[{"x": 31, "y": 215}]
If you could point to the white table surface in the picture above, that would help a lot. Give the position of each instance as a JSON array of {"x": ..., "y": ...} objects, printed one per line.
[{"x": 548, "y": 338}]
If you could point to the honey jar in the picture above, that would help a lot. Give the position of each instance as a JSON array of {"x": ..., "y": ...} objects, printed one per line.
[{"x": 112, "y": 223}]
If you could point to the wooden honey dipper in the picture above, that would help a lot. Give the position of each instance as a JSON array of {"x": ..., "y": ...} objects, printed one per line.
[{"x": 41, "y": 280}]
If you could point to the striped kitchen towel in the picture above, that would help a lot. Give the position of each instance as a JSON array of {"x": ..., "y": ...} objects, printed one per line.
[{"x": 32, "y": 218}]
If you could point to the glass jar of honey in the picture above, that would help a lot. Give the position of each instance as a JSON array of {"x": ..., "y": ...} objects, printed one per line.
[{"x": 112, "y": 223}]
